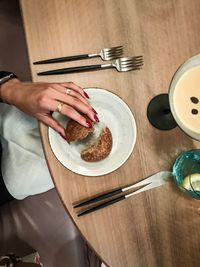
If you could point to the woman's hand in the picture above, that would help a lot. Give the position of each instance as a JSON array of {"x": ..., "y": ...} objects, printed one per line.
[{"x": 41, "y": 99}]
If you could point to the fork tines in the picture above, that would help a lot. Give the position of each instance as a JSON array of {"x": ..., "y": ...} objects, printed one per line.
[
  {"x": 134, "y": 63},
  {"x": 112, "y": 53}
]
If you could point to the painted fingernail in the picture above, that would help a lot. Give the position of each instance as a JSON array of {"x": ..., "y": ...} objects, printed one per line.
[
  {"x": 62, "y": 136},
  {"x": 96, "y": 118},
  {"x": 94, "y": 111},
  {"x": 86, "y": 95},
  {"x": 89, "y": 124}
]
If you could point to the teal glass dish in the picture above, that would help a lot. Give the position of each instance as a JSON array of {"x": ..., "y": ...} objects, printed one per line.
[{"x": 186, "y": 172}]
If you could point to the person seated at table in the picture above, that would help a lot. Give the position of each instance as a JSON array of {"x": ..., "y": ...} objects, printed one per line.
[{"x": 37, "y": 219}]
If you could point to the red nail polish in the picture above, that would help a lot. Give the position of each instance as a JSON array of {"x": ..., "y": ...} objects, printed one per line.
[
  {"x": 94, "y": 111},
  {"x": 62, "y": 136},
  {"x": 86, "y": 95},
  {"x": 96, "y": 118},
  {"x": 89, "y": 124}
]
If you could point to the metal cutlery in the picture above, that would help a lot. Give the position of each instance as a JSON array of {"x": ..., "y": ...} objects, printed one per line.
[
  {"x": 106, "y": 54},
  {"x": 121, "y": 64},
  {"x": 150, "y": 182}
]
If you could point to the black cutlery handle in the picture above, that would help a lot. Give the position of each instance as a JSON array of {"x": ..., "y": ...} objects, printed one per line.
[
  {"x": 100, "y": 206},
  {"x": 70, "y": 70},
  {"x": 99, "y": 198},
  {"x": 61, "y": 59}
]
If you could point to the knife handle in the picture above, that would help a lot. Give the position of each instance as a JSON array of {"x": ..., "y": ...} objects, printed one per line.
[
  {"x": 101, "y": 206},
  {"x": 99, "y": 198}
]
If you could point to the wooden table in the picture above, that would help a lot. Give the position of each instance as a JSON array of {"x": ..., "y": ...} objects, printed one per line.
[{"x": 159, "y": 227}]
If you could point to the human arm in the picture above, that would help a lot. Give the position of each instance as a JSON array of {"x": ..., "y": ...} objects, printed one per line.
[{"x": 40, "y": 100}]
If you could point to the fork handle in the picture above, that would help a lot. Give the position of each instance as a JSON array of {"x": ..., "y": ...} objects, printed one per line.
[
  {"x": 62, "y": 59},
  {"x": 101, "y": 206},
  {"x": 74, "y": 69}
]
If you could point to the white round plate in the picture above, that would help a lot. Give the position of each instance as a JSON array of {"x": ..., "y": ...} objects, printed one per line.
[{"x": 113, "y": 112}]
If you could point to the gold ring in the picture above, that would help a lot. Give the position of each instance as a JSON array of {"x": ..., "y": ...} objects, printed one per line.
[
  {"x": 68, "y": 91},
  {"x": 59, "y": 107}
]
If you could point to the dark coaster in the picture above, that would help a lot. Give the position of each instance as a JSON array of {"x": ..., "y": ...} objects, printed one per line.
[{"x": 159, "y": 114}]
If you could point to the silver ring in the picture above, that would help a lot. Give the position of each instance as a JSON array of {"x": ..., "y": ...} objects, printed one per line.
[
  {"x": 68, "y": 91},
  {"x": 59, "y": 107}
]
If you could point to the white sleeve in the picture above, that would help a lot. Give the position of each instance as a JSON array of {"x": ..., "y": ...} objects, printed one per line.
[{"x": 23, "y": 164}]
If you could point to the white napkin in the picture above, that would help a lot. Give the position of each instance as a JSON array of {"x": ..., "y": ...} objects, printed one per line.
[{"x": 23, "y": 164}]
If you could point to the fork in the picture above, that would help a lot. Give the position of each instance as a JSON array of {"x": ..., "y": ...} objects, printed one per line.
[
  {"x": 153, "y": 181},
  {"x": 105, "y": 54},
  {"x": 121, "y": 64}
]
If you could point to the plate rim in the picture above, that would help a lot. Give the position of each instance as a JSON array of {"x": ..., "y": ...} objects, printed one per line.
[{"x": 134, "y": 126}]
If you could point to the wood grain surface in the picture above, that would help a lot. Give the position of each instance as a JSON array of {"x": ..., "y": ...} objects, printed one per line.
[{"x": 159, "y": 227}]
